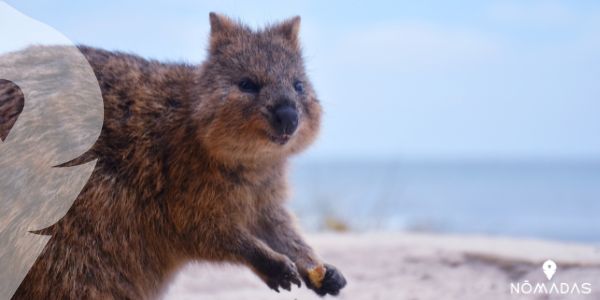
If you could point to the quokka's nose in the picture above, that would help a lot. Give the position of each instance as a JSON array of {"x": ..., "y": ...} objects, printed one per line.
[{"x": 285, "y": 119}]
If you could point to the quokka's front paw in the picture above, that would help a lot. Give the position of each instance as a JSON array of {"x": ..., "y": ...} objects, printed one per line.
[
  {"x": 325, "y": 279},
  {"x": 282, "y": 274}
]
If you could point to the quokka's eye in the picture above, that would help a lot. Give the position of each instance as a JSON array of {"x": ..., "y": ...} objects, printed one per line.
[
  {"x": 248, "y": 86},
  {"x": 299, "y": 86}
]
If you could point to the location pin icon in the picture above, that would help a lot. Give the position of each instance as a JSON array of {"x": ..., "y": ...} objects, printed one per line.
[{"x": 549, "y": 268}]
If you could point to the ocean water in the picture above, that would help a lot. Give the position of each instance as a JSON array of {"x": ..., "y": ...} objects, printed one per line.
[{"x": 559, "y": 201}]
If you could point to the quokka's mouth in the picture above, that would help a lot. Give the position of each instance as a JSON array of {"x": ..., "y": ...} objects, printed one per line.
[{"x": 280, "y": 139}]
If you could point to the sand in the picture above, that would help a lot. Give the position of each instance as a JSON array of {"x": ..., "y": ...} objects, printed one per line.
[{"x": 414, "y": 266}]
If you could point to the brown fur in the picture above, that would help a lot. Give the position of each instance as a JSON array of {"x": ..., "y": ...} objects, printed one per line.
[
  {"x": 186, "y": 170},
  {"x": 11, "y": 105}
]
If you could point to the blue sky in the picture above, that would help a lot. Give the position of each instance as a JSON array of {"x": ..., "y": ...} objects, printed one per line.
[{"x": 402, "y": 80}]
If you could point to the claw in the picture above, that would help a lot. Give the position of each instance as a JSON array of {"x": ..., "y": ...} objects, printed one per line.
[
  {"x": 296, "y": 281},
  {"x": 273, "y": 286}
]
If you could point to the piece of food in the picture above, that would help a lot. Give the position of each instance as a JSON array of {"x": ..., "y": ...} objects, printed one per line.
[{"x": 316, "y": 275}]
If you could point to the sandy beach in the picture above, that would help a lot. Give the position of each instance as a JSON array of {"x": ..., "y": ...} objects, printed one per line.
[{"x": 414, "y": 266}]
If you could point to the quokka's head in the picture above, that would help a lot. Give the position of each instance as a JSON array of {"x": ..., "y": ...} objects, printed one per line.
[{"x": 256, "y": 99}]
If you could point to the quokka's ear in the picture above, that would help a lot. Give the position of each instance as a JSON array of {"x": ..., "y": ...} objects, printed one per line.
[
  {"x": 220, "y": 24},
  {"x": 290, "y": 30},
  {"x": 221, "y": 29}
]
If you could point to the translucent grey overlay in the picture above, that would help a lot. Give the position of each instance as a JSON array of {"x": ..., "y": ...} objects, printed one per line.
[{"x": 61, "y": 119}]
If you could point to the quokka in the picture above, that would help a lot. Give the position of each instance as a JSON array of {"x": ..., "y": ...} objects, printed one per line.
[{"x": 191, "y": 165}]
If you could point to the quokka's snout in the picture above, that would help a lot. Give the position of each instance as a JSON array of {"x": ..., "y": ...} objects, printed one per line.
[{"x": 284, "y": 120}]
